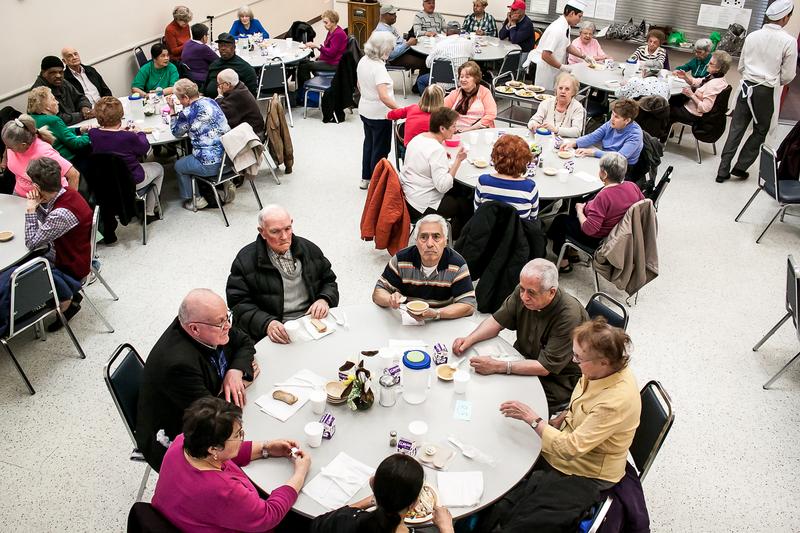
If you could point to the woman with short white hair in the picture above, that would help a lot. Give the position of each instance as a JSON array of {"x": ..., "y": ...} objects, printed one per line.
[
  {"x": 698, "y": 65},
  {"x": 649, "y": 84},
  {"x": 377, "y": 98},
  {"x": 586, "y": 43},
  {"x": 562, "y": 115},
  {"x": 245, "y": 24}
]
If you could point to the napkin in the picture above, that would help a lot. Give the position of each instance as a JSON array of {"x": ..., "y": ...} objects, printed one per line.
[
  {"x": 311, "y": 330},
  {"x": 338, "y": 482},
  {"x": 408, "y": 320},
  {"x": 460, "y": 489},
  {"x": 283, "y": 411},
  {"x": 585, "y": 176}
]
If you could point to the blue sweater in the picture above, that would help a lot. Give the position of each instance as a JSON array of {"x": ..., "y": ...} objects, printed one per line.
[
  {"x": 238, "y": 28},
  {"x": 627, "y": 142}
]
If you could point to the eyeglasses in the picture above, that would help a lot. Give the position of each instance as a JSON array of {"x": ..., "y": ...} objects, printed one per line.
[
  {"x": 578, "y": 360},
  {"x": 228, "y": 321},
  {"x": 239, "y": 435}
]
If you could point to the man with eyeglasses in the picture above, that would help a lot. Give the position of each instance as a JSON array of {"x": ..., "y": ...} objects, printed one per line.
[
  {"x": 543, "y": 316},
  {"x": 431, "y": 272},
  {"x": 200, "y": 354}
]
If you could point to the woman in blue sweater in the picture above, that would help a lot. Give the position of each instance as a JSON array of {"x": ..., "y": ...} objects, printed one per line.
[
  {"x": 620, "y": 134},
  {"x": 247, "y": 25}
]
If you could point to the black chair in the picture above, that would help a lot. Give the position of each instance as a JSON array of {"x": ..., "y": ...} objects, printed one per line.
[
  {"x": 123, "y": 379},
  {"x": 272, "y": 77},
  {"x": 226, "y": 173},
  {"x": 658, "y": 191},
  {"x": 785, "y": 192},
  {"x": 144, "y": 518},
  {"x": 712, "y": 126},
  {"x": 509, "y": 68},
  {"x": 398, "y": 128},
  {"x": 33, "y": 299},
  {"x": 601, "y": 304},
  {"x": 318, "y": 84},
  {"x": 442, "y": 72},
  {"x": 138, "y": 55}
]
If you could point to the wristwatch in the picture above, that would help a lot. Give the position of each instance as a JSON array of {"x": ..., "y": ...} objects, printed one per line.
[
  {"x": 535, "y": 423},
  {"x": 265, "y": 452},
  {"x": 438, "y": 314}
]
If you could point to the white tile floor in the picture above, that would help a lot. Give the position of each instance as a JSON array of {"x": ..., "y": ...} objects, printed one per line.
[{"x": 729, "y": 464}]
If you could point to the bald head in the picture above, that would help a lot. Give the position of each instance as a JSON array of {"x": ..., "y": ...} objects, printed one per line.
[
  {"x": 200, "y": 305},
  {"x": 71, "y": 57}
]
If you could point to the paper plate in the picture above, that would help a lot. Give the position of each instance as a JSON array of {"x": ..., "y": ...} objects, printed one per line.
[
  {"x": 550, "y": 171},
  {"x": 6, "y": 236},
  {"x": 423, "y": 511}
]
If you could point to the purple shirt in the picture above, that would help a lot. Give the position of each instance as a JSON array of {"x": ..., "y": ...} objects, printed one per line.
[
  {"x": 197, "y": 56},
  {"x": 606, "y": 209},
  {"x": 216, "y": 501},
  {"x": 125, "y": 144},
  {"x": 333, "y": 48}
]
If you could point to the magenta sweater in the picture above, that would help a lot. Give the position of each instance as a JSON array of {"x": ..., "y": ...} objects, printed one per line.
[
  {"x": 606, "y": 209},
  {"x": 216, "y": 501},
  {"x": 333, "y": 48}
]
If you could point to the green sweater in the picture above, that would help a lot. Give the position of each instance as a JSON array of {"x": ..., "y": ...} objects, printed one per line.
[
  {"x": 149, "y": 77},
  {"x": 66, "y": 143},
  {"x": 698, "y": 67}
]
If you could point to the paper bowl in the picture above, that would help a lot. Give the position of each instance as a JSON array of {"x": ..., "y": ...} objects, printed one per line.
[
  {"x": 480, "y": 163},
  {"x": 550, "y": 171},
  {"x": 417, "y": 307},
  {"x": 566, "y": 154}
]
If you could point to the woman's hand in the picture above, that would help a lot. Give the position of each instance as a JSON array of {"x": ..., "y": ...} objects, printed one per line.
[
  {"x": 687, "y": 92},
  {"x": 443, "y": 519},
  {"x": 302, "y": 463},
  {"x": 84, "y": 128},
  {"x": 312, "y": 45},
  {"x": 281, "y": 447},
  {"x": 518, "y": 410},
  {"x": 461, "y": 155},
  {"x": 585, "y": 152},
  {"x": 568, "y": 145}
]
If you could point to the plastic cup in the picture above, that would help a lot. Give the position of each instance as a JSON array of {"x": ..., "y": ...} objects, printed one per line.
[
  {"x": 317, "y": 399},
  {"x": 313, "y": 431},
  {"x": 460, "y": 380},
  {"x": 473, "y": 137},
  {"x": 292, "y": 328},
  {"x": 562, "y": 175},
  {"x": 418, "y": 429}
]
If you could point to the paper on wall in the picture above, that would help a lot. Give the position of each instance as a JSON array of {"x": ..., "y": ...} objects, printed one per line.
[
  {"x": 605, "y": 9},
  {"x": 588, "y": 12},
  {"x": 539, "y": 6},
  {"x": 722, "y": 16}
]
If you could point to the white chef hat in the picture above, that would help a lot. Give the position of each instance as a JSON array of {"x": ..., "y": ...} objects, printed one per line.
[
  {"x": 578, "y": 4},
  {"x": 778, "y": 9}
]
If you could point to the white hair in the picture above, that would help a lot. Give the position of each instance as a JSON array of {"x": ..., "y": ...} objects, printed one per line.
[
  {"x": 542, "y": 269},
  {"x": 652, "y": 67},
  {"x": 187, "y": 311},
  {"x": 433, "y": 219},
  {"x": 245, "y": 11},
  {"x": 616, "y": 166},
  {"x": 379, "y": 45},
  {"x": 588, "y": 24},
  {"x": 270, "y": 210},
  {"x": 703, "y": 44},
  {"x": 228, "y": 75}
]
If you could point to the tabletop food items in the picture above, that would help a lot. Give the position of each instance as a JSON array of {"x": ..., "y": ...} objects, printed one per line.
[{"x": 423, "y": 510}]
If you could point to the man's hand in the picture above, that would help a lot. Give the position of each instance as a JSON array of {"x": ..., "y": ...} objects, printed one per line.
[
  {"x": 318, "y": 309},
  {"x": 277, "y": 333},
  {"x": 486, "y": 365},
  {"x": 34, "y": 199},
  {"x": 585, "y": 152},
  {"x": 256, "y": 372},
  {"x": 518, "y": 410},
  {"x": 442, "y": 519},
  {"x": 412, "y": 41},
  {"x": 460, "y": 345},
  {"x": 280, "y": 448},
  {"x": 395, "y": 299},
  {"x": 87, "y": 112},
  {"x": 233, "y": 387}
]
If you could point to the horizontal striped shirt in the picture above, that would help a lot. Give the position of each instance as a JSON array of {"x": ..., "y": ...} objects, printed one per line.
[
  {"x": 522, "y": 194},
  {"x": 449, "y": 283}
]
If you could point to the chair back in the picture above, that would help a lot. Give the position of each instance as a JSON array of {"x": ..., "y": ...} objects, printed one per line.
[
  {"x": 511, "y": 63},
  {"x": 111, "y": 182},
  {"x": 273, "y": 76},
  {"x": 442, "y": 72},
  {"x": 792, "y": 289},
  {"x": 33, "y": 295},
  {"x": 601, "y": 304},
  {"x": 654, "y": 424},
  {"x": 715, "y": 122},
  {"x": 661, "y": 186},
  {"x": 144, "y": 518},
  {"x": 768, "y": 172},
  {"x": 123, "y": 376},
  {"x": 398, "y": 130},
  {"x": 138, "y": 55}
]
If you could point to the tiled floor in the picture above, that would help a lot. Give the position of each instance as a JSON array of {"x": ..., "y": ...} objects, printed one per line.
[{"x": 729, "y": 464}]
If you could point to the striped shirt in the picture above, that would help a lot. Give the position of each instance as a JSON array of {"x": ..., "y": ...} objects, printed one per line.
[
  {"x": 449, "y": 283},
  {"x": 522, "y": 194},
  {"x": 641, "y": 54},
  {"x": 487, "y": 24},
  {"x": 424, "y": 22}
]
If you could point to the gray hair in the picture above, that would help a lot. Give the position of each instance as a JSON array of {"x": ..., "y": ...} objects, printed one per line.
[
  {"x": 615, "y": 166},
  {"x": 22, "y": 130},
  {"x": 245, "y": 11},
  {"x": 379, "y": 45},
  {"x": 187, "y": 312},
  {"x": 270, "y": 210},
  {"x": 587, "y": 24},
  {"x": 429, "y": 219},
  {"x": 542, "y": 269},
  {"x": 724, "y": 60},
  {"x": 703, "y": 44},
  {"x": 187, "y": 88},
  {"x": 228, "y": 75},
  {"x": 652, "y": 67},
  {"x": 45, "y": 173},
  {"x": 182, "y": 13}
]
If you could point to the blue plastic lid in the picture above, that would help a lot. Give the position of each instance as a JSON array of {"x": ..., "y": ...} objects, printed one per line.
[
  {"x": 136, "y": 96},
  {"x": 543, "y": 131},
  {"x": 416, "y": 360},
  {"x": 631, "y": 61}
]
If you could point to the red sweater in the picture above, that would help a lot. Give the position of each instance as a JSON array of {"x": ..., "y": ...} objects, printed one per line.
[
  {"x": 333, "y": 47},
  {"x": 606, "y": 209},
  {"x": 176, "y": 37},
  {"x": 74, "y": 249},
  {"x": 417, "y": 121}
]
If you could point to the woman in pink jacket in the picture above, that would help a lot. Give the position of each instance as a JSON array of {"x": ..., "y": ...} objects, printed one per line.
[
  {"x": 472, "y": 101},
  {"x": 330, "y": 52}
]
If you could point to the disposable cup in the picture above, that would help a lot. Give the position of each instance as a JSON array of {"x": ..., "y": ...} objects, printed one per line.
[
  {"x": 317, "y": 399},
  {"x": 293, "y": 328},
  {"x": 460, "y": 380},
  {"x": 418, "y": 429},
  {"x": 313, "y": 431}
]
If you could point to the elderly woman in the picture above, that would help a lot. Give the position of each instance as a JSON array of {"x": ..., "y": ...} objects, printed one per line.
[
  {"x": 418, "y": 116},
  {"x": 43, "y": 107},
  {"x": 479, "y": 21},
  {"x": 585, "y": 448},
  {"x": 158, "y": 72},
  {"x": 620, "y": 134},
  {"x": 649, "y": 84},
  {"x": 24, "y": 143},
  {"x": 472, "y": 101},
  {"x": 595, "y": 219},
  {"x": 510, "y": 157},
  {"x": 177, "y": 32},
  {"x": 130, "y": 146},
  {"x": 245, "y": 24},
  {"x": 396, "y": 487},
  {"x": 330, "y": 52},
  {"x": 652, "y": 50},
  {"x": 205, "y": 123},
  {"x": 427, "y": 175},
  {"x": 201, "y": 486},
  {"x": 377, "y": 98},
  {"x": 699, "y": 98},
  {"x": 698, "y": 65},
  {"x": 562, "y": 115},
  {"x": 586, "y": 43}
]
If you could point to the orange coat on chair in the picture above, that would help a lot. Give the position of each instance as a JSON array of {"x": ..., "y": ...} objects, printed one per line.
[{"x": 385, "y": 218}]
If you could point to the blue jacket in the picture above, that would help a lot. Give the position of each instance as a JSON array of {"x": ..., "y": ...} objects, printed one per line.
[
  {"x": 627, "y": 142},
  {"x": 238, "y": 28},
  {"x": 521, "y": 34}
]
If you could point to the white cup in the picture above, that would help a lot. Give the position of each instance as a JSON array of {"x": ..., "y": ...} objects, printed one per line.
[
  {"x": 289, "y": 43},
  {"x": 293, "y": 329},
  {"x": 562, "y": 175},
  {"x": 418, "y": 429},
  {"x": 460, "y": 380},
  {"x": 473, "y": 137},
  {"x": 313, "y": 431},
  {"x": 386, "y": 358},
  {"x": 317, "y": 399}
]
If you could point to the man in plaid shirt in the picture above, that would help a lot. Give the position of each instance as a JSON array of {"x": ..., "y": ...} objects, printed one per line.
[{"x": 479, "y": 21}]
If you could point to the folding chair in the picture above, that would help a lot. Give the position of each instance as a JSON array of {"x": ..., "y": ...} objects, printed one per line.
[
  {"x": 442, "y": 72},
  {"x": 601, "y": 304},
  {"x": 318, "y": 84},
  {"x": 226, "y": 173},
  {"x": 398, "y": 127},
  {"x": 273, "y": 76},
  {"x": 139, "y": 57},
  {"x": 94, "y": 271},
  {"x": 509, "y": 68},
  {"x": 719, "y": 110},
  {"x": 661, "y": 187},
  {"x": 144, "y": 518},
  {"x": 402, "y": 71}
]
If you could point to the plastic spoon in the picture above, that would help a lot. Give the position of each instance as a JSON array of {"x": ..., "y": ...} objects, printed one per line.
[{"x": 470, "y": 452}]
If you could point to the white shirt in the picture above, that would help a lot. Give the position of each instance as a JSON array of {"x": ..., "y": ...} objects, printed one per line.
[
  {"x": 372, "y": 73},
  {"x": 769, "y": 57},
  {"x": 426, "y": 173},
  {"x": 89, "y": 89},
  {"x": 555, "y": 39},
  {"x": 453, "y": 47},
  {"x": 649, "y": 86}
]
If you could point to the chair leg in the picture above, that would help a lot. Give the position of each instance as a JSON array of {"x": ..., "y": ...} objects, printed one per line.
[
  {"x": 697, "y": 148},
  {"x": 219, "y": 203},
  {"x": 271, "y": 165},
  {"x": 106, "y": 285},
  {"x": 770, "y": 223},
  {"x": 714, "y": 148},
  {"x": 97, "y": 311},
  {"x": 68, "y": 328},
  {"x": 144, "y": 222},
  {"x": 750, "y": 201},
  {"x": 288, "y": 107},
  {"x": 158, "y": 205},
  {"x": 143, "y": 484},
  {"x": 19, "y": 368},
  {"x": 305, "y": 105},
  {"x": 255, "y": 191},
  {"x": 771, "y": 332},
  {"x": 596, "y": 276},
  {"x": 680, "y": 135},
  {"x": 194, "y": 194},
  {"x": 781, "y": 371}
]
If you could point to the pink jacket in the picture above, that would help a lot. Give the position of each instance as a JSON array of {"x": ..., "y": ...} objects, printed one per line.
[
  {"x": 592, "y": 49},
  {"x": 483, "y": 108},
  {"x": 707, "y": 93},
  {"x": 334, "y": 46}
]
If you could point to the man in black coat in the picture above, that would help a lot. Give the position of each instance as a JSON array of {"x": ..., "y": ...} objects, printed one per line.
[
  {"x": 237, "y": 103},
  {"x": 279, "y": 277},
  {"x": 229, "y": 59},
  {"x": 73, "y": 107},
  {"x": 199, "y": 355},
  {"x": 84, "y": 78}
]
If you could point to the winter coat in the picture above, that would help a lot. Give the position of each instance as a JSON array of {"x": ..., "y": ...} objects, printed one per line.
[
  {"x": 280, "y": 139},
  {"x": 385, "y": 218}
]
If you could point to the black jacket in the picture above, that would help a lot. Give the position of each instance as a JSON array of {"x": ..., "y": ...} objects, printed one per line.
[
  {"x": 94, "y": 77},
  {"x": 255, "y": 286},
  {"x": 246, "y": 72},
  {"x": 343, "y": 86},
  {"x": 178, "y": 371},
  {"x": 788, "y": 155},
  {"x": 301, "y": 31},
  {"x": 496, "y": 244},
  {"x": 70, "y": 101},
  {"x": 241, "y": 106},
  {"x": 653, "y": 116}
]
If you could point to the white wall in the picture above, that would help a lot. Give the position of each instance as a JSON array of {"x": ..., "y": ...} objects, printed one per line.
[
  {"x": 32, "y": 29},
  {"x": 450, "y": 9}
]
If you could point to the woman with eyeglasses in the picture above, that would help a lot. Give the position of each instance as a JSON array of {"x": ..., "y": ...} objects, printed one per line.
[
  {"x": 201, "y": 486},
  {"x": 585, "y": 448}
]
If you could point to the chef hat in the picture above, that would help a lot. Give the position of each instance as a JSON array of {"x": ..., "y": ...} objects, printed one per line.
[
  {"x": 578, "y": 4},
  {"x": 779, "y": 9}
]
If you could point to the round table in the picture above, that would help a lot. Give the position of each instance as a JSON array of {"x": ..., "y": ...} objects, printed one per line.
[
  {"x": 364, "y": 435},
  {"x": 599, "y": 79},
  {"x": 494, "y": 49},
  {"x": 160, "y": 134},
  {"x": 12, "y": 218},
  {"x": 583, "y": 181},
  {"x": 276, "y": 48}
]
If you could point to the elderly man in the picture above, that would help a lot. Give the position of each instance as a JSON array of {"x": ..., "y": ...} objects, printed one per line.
[
  {"x": 479, "y": 21},
  {"x": 453, "y": 47},
  {"x": 197, "y": 55},
  {"x": 73, "y": 107},
  {"x": 554, "y": 47},
  {"x": 279, "y": 277},
  {"x": 432, "y": 272},
  {"x": 517, "y": 27},
  {"x": 402, "y": 55},
  {"x": 200, "y": 354},
  {"x": 543, "y": 316},
  {"x": 427, "y": 22},
  {"x": 229, "y": 59},
  {"x": 237, "y": 103},
  {"x": 84, "y": 78}
]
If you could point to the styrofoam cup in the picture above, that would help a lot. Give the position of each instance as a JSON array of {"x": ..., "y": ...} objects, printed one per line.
[
  {"x": 317, "y": 399},
  {"x": 418, "y": 429},
  {"x": 460, "y": 380},
  {"x": 313, "y": 431},
  {"x": 292, "y": 328}
]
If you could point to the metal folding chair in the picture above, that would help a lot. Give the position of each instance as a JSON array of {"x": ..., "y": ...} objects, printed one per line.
[
  {"x": 402, "y": 71},
  {"x": 226, "y": 173},
  {"x": 443, "y": 72},
  {"x": 94, "y": 271},
  {"x": 273, "y": 76},
  {"x": 139, "y": 57},
  {"x": 601, "y": 304}
]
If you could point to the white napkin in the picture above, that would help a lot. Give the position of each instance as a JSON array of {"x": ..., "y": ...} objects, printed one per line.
[
  {"x": 585, "y": 176},
  {"x": 338, "y": 482},
  {"x": 460, "y": 489},
  {"x": 283, "y": 411},
  {"x": 408, "y": 320},
  {"x": 316, "y": 335},
  {"x": 156, "y": 134}
]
